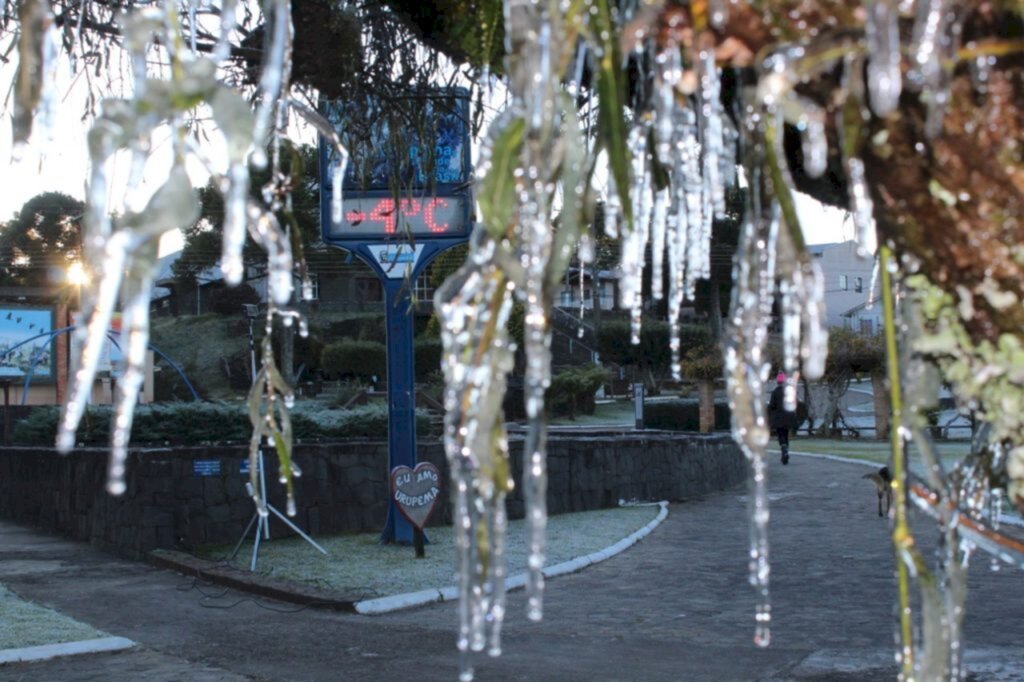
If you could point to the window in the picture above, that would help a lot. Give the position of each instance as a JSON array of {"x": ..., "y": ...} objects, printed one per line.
[
  {"x": 866, "y": 327},
  {"x": 844, "y": 283},
  {"x": 424, "y": 291},
  {"x": 858, "y": 284}
]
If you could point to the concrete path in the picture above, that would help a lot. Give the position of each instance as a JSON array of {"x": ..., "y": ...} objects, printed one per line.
[{"x": 677, "y": 606}]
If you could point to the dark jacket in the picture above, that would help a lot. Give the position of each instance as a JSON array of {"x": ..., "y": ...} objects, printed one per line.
[{"x": 778, "y": 417}]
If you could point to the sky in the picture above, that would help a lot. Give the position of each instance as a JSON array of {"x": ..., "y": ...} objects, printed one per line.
[{"x": 57, "y": 160}]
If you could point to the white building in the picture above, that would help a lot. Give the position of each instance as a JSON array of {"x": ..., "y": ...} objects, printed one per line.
[{"x": 848, "y": 283}]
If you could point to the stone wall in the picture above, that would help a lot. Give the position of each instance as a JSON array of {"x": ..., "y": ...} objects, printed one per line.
[{"x": 186, "y": 497}]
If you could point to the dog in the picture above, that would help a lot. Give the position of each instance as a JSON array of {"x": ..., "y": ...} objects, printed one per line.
[{"x": 883, "y": 486}]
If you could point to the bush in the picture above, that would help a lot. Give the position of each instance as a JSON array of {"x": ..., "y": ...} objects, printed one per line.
[
  {"x": 572, "y": 391},
  {"x": 355, "y": 358},
  {"x": 652, "y": 354},
  {"x": 347, "y": 390},
  {"x": 364, "y": 421},
  {"x": 195, "y": 423},
  {"x": 361, "y": 328},
  {"x": 428, "y": 359},
  {"x": 682, "y": 415}
]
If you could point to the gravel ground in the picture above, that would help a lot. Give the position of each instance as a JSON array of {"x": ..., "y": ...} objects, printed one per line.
[{"x": 357, "y": 563}]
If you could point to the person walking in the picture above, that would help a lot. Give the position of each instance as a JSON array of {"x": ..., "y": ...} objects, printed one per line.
[{"x": 781, "y": 420}]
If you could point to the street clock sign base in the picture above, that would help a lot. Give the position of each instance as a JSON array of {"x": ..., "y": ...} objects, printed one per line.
[{"x": 398, "y": 237}]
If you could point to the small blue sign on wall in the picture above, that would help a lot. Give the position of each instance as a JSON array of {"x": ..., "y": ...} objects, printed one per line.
[
  {"x": 243, "y": 466},
  {"x": 206, "y": 467}
]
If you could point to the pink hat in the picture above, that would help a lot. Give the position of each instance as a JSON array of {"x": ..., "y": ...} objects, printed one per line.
[{"x": 781, "y": 378}]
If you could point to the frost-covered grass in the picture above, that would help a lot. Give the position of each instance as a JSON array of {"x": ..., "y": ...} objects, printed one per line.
[
  {"x": 24, "y": 624},
  {"x": 872, "y": 450},
  {"x": 357, "y": 563},
  {"x": 619, "y": 413}
]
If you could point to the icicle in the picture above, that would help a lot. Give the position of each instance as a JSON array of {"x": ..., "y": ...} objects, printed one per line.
[
  {"x": 634, "y": 244},
  {"x": 935, "y": 39},
  {"x": 928, "y": 26},
  {"x": 273, "y": 77},
  {"x": 814, "y": 341},
  {"x": 747, "y": 365},
  {"x": 658, "y": 227},
  {"x": 776, "y": 90},
  {"x": 137, "y": 294},
  {"x": 612, "y": 211},
  {"x": 792, "y": 311},
  {"x": 338, "y": 166},
  {"x": 873, "y": 287},
  {"x": 710, "y": 122},
  {"x": 885, "y": 80},
  {"x": 236, "y": 196},
  {"x": 99, "y": 306},
  {"x": 693, "y": 188},
  {"x": 228, "y": 21},
  {"x": 862, "y": 207},
  {"x": 267, "y": 232},
  {"x": 34, "y": 81},
  {"x": 192, "y": 27}
]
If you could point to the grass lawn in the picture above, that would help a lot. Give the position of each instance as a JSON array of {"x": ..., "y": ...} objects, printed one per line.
[
  {"x": 874, "y": 450},
  {"x": 357, "y": 563},
  {"x": 24, "y": 624},
  {"x": 618, "y": 413}
]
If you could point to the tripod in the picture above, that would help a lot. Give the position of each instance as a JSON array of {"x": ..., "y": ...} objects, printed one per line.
[{"x": 262, "y": 521}]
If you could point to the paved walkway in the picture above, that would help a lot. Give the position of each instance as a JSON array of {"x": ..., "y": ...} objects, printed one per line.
[{"x": 675, "y": 607}]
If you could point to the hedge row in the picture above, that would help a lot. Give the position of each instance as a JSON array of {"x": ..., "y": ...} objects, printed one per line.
[
  {"x": 366, "y": 359},
  {"x": 682, "y": 415},
  {"x": 194, "y": 423}
]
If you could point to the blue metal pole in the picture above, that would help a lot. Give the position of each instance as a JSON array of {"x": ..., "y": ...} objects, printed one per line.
[{"x": 401, "y": 398}]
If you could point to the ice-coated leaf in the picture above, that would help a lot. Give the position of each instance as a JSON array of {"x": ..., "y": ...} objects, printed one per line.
[
  {"x": 235, "y": 120},
  {"x": 497, "y": 195},
  {"x": 611, "y": 87}
]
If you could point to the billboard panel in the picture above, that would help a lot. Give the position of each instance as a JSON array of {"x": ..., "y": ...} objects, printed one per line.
[{"x": 25, "y": 343}]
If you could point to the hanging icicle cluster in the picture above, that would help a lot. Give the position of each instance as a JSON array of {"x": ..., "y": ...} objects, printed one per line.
[
  {"x": 531, "y": 150},
  {"x": 120, "y": 253},
  {"x": 668, "y": 166}
]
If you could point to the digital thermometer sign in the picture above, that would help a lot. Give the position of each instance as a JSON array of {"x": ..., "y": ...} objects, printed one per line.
[
  {"x": 382, "y": 216},
  {"x": 418, "y": 188}
]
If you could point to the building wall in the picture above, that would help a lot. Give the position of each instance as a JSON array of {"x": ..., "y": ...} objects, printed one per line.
[
  {"x": 846, "y": 272},
  {"x": 185, "y": 497}
]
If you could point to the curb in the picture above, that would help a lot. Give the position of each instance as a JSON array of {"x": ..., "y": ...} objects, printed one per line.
[
  {"x": 411, "y": 599},
  {"x": 47, "y": 651},
  {"x": 238, "y": 579},
  {"x": 1003, "y": 518}
]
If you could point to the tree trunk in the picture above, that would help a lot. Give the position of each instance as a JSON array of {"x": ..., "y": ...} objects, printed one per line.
[{"x": 706, "y": 394}]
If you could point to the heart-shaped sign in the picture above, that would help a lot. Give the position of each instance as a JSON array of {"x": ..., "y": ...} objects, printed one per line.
[{"x": 416, "y": 491}]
